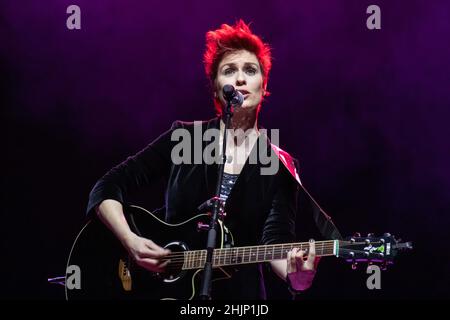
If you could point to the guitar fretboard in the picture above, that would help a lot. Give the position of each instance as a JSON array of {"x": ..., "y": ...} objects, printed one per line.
[{"x": 255, "y": 254}]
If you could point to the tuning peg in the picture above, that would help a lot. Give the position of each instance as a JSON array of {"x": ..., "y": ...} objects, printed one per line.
[
  {"x": 357, "y": 235},
  {"x": 354, "y": 263},
  {"x": 387, "y": 235},
  {"x": 371, "y": 235}
]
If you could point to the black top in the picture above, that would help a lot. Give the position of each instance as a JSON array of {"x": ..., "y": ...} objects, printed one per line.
[{"x": 260, "y": 208}]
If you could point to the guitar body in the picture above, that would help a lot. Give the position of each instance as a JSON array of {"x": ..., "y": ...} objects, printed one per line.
[{"x": 107, "y": 272}]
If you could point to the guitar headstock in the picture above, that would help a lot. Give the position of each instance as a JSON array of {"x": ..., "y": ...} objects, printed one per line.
[{"x": 371, "y": 249}]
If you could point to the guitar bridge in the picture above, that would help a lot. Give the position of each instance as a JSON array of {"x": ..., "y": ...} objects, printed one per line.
[{"x": 125, "y": 275}]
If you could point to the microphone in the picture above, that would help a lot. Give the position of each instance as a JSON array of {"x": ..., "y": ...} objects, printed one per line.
[{"x": 233, "y": 96}]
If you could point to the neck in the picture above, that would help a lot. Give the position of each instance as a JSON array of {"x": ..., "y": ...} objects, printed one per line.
[
  {"x": 243, "y": 118},
  {"x": 255, "y": 254}
]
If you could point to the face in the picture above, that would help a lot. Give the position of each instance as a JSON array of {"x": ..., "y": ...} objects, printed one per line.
[{"x": 241, "y": 69}]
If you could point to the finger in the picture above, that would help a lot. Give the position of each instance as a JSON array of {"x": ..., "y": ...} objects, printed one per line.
[
  {"x": 299, "y": 256},
  {"x": 300, "y": 253},
  {"x": 293, "y": 251},
  {"x": 291, "y": 263},
  {"x": 150, "y": 244},
  {"x": 157, "y": 251},
  {"x": 310, "y": 258},
  {"x": 288, "y": 262},
  {"x": 150, "y": 264},
  {"x": 163, "y": 263},
  {"x": 294, "y": 254},
  {"x": 158, "y": 254},
  {"x": 312, "y": 250},
  {"x": 144, "y": 252}
]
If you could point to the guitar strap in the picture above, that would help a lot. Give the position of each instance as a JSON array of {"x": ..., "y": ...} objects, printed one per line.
[{"x": 323, "y": 221}]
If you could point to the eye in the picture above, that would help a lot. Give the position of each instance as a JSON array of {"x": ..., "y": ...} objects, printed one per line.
[
  {"x": 228, "y": 71},
  {"x": 251, "y": 71}
]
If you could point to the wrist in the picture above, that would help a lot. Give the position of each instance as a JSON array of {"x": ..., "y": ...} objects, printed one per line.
[
  {"x": 127, "y": 238},
  {"x": 297, "y": 283},
  {"x": 291, "y": 289}
]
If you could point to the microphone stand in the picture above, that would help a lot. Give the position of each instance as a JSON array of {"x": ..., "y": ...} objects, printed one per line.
[{"x": 217, "y": 206}]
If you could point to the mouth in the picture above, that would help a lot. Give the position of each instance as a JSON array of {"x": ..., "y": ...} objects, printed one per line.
[{"x": 244, "y": 92}]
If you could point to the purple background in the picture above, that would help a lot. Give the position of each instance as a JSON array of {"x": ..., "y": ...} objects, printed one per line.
[{"x": 365, "y": 111}]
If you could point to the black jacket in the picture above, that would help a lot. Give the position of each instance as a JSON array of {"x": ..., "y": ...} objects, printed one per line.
[{"x": 260, "y": 208}]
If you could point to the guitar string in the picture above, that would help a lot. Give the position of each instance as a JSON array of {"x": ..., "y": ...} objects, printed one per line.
[
  {"x": 199, "y": 255},
  {"x": 277, "y": 247},
  {"x": 200, "y": 263},
  {"x": 250, "y": 250}
]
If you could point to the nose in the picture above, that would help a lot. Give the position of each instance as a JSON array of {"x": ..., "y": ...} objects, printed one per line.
[{"x": 240, "y": 80}]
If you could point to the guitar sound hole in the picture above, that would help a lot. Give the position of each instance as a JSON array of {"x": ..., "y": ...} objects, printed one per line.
[{"x": 173, "y": 270}]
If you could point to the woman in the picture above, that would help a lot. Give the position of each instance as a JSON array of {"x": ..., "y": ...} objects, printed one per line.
[{"x": 260, "y": 208}]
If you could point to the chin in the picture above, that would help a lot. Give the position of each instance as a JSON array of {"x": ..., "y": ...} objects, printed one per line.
[
  {"x": 249, "y": 105},
  {"x": 246, "y": 108}
]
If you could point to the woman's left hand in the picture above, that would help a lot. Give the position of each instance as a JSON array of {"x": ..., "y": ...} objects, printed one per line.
[{"x": 302, "y": 266}]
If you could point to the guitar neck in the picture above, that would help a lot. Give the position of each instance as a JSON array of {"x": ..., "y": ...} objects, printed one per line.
[{"x": 255, "y": 254}]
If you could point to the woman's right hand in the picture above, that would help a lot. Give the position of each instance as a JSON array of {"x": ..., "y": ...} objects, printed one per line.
[{"x": 146, "y": 253}]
